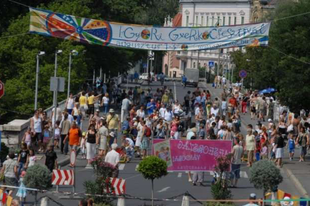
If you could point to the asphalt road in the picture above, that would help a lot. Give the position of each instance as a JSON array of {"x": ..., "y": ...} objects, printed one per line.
[{"x": 175, "y": 183}]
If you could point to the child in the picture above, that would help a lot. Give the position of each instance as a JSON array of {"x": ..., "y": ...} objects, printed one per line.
[
  {"x": 32, "y": 158},
  {"x": 57, "y": 134},
  {"x": 291, "y": 145},
  {"x": 273, "y": 151},
  {"x": 264, "y": 152},
  {"x": 46, "y": 138},
  {"x": 27, "y": 137},
  {"x": 82, "y": 145},
  {"x": 22, "y": 193}
]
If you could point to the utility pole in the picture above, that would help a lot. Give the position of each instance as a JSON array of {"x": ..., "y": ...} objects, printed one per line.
[{"x": 37, "y": 79}]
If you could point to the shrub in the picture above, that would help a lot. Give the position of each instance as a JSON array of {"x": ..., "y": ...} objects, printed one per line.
[
  {"x": 38, "y": 176},
  {"x": 265, "y": 175}
]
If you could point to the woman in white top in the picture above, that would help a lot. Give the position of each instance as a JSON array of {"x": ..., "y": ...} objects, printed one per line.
[
  {"x": 36, "y": 127},
  {"x": 105, "y": 103},
  {"x": 140, "y": 112},
  {"x": 70, "y": 104}
]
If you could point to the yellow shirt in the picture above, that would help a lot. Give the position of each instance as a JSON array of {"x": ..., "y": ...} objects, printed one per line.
[
  {"x": 82, "y": 100},
  {"x": 91, "y": 99},
  {"x": 139, "y": 90},
  {"x": 112, "y": 121},
  {"x": 165, "y": 98}
]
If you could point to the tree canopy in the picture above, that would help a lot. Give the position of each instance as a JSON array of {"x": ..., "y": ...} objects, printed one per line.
[
  {"x": 285, "y": 63},
  {"x": 18, "y": 48}
]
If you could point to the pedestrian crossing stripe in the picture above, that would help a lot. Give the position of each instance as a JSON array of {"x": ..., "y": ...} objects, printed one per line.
[{"x": 121, "y": 166}]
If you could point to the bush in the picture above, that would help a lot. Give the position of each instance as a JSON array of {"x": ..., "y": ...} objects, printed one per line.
[
  {"x": 38, "y": 176},
  {"x": 220, "y": 191},
  {"x": 98, "y": 188},
  {"x": 265, "y": 175}
]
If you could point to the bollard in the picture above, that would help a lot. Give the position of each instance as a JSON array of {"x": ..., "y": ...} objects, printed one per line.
[
  {"x": 185, "y": 201},
  {"x": 44, "y": 201},
  {"x": 121, "y": 201}
]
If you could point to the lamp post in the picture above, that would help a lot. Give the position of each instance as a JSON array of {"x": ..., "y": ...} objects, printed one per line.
[
  {"x": 74, "y": 53},
  {"x": 41, "y": 53},
  {"x": 56, "y": 91}
]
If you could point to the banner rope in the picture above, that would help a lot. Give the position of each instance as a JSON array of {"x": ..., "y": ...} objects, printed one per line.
[{"x": 289, "y": 55}]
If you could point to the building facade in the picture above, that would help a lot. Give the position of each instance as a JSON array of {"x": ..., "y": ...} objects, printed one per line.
[{"x": 207, "y": 13}]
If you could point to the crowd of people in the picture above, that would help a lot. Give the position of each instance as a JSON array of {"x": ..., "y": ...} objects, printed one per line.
[{"x": 122, "y": 123}]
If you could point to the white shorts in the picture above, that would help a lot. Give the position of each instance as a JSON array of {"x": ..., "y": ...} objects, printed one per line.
[{"x": 279, "y": 153}]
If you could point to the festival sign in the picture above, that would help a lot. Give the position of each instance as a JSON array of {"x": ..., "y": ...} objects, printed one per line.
[
  {"x": 191, "y": 155},
  {"x": 104, "y": 33}
]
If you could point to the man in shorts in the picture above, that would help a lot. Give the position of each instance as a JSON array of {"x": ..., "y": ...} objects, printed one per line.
[{"x": 237, "y": 152}]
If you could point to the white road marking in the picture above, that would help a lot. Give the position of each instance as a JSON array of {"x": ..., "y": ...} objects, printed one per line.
[
  {"x": 132, "y": 176},
  {"x": 163, "y": 190},
  {"x": 137, "y": 167},
  {"x": 243, "y": 174},
  {"x": 121, "y": 166},
  {"x": 180, "y": 175}
]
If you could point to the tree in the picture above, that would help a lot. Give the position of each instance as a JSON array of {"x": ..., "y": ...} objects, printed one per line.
[
  {"x": 39, "y": 177},
  {"x": 219, "y": 189},
  {"x": 265, "y": 175},
  {"x": 285, "y": 63},
  {"x": 152, "y": 168}
]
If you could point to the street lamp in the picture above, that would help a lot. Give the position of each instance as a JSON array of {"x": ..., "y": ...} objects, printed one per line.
[
  {"x": 74, "y": 53},
  {"x": 41, "y": 53},
  {"x": 55, "y": 92}
]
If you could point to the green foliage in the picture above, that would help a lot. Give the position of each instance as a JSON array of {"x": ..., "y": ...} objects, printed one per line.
[
  {"x": 285, "y": 63},
  {"x": 98, "y": 188},
  {"x": 38, "y": 176},
  {"x": 265, "y": 175},
  {"x": 220, "y": 190},
  {"x": 18, "y": 53},
  {"x": 152, "y": 168},
  {"x": 4, "y": 152}
]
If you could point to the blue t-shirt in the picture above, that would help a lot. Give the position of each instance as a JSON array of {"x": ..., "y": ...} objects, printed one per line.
[
  {"x": 291, "y": 144},
  {"x": 150, "y": 107}
]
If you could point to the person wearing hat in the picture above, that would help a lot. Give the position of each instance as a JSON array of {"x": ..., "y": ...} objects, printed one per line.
[
  {"x": 252, "y": 199},
  {"x": 113, "y": 121}
]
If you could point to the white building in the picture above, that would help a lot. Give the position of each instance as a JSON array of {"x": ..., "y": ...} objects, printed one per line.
[{"x": 208, "y": 13}]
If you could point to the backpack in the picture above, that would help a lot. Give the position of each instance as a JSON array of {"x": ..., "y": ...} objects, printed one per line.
[{"x": 148, "y": 132}]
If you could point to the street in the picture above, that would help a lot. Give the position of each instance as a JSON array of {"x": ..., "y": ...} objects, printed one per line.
[{"x": 175, "y": 183}]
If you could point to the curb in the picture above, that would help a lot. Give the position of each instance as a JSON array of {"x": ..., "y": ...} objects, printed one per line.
[{"x": 296, "y": 183}]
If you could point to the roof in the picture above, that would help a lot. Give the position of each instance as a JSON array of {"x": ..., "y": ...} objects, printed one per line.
[
  {"x": 177, "y": 20},
  {"x": 215, "y": 1}
]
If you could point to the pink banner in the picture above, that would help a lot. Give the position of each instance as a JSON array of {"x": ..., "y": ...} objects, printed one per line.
[{"x": 191, "y": 155}]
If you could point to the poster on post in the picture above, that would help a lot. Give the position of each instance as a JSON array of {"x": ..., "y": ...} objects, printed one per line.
[{"x": 191, "y": 155}]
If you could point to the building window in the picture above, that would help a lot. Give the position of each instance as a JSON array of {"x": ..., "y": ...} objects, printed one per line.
[
  {"x": 212, "y": 21},
  {"x": 229, "y": 21},
  {"x": 187, "y": 20},
  {"x": 201, "y": 23},
  {"x": 255, "y": 19},
  {"x": 224, "y": 19},
  {"x": 207, "y": 23},
  {"x": 242, "y": 20},
  {"x": 196, "y": 20},
  {"x": 218, "y": 21},
  {"x": 235, "y": 20},
  {"x": 194, "y": 64}
]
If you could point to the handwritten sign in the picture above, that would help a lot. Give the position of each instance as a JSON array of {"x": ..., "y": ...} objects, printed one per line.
[
  {"x": 194, "y": 155},
  {"x": 92, "y": 31}
]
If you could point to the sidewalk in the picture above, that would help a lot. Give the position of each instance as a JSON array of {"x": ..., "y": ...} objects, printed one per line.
[{"x": 297, "y": 172}]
